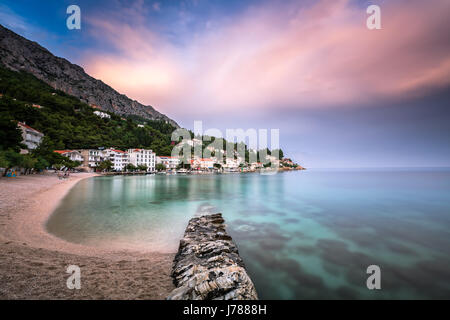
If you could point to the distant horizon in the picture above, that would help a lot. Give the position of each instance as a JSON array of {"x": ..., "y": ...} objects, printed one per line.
[
  {"x": 341, "y": 95},
  {"x": 380, "y": 168}
]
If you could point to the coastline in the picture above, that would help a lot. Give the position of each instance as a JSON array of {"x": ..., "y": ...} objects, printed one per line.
[{"x": 33, "y": 262}]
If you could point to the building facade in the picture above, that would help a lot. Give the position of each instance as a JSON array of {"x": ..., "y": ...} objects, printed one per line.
[
  {"x": 73, "y": 155},
  {"x": 30, "y": 137},
  {"x": 102, "y": 115},
  {"x": 142, "y": 157},
  {"x": 231, "y": 164},
  {"x": 118, "y": 158},
  {"x": 203, "y": 163},
  {"x": 169, "y": 162}
]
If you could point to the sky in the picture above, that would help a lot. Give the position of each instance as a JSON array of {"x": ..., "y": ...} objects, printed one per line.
[{"x": 340, "y": 94}]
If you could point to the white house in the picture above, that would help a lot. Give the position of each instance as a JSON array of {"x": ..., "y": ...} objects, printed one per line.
[
  {"x": 142, "y": 157},
  {"x": 73, "y": 155},
  {"x": 207, "y": 163},
  {"x": 275, "y": 161},
  {"x": 203, "y": 163},
  {"x": 102, "y": 114},
  {"x": 93, "y": 157},
  {"x": 169, "y": 162},
  {"x": 118, "y": 158},
  {"x": 256, "y": 165},
  {"x": 192, "y": 142},
  {"x": 231, "y": 165},
  {"x": 30, "y": 137}
]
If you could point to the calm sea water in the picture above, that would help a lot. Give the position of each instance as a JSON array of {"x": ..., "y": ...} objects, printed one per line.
[{"x": 302, "y": 235}]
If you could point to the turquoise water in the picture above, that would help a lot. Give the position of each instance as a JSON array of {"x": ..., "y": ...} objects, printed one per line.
[{"x": 302, "y": 235}]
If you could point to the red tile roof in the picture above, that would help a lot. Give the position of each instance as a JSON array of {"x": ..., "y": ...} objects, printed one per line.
[{"x": 27, "y": 126}]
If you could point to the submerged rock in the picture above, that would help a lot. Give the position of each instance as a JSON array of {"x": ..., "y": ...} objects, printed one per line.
[{"x": 208, "y": 265}]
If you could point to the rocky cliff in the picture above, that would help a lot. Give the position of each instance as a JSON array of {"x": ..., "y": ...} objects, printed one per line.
[
  {"x": 20, "y": 54},
  {"x": 208, "y": 265}
]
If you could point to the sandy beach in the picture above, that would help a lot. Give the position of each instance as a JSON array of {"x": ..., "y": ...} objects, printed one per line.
[{"x": 33, "y": 262}]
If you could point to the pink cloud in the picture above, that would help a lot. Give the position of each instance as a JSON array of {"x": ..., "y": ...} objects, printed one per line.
[{"x": 318, "y": 56}]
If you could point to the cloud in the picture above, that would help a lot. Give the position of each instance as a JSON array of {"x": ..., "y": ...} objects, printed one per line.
[
  {"x": 156, "y": 6},
  {"x": 321, "y": 55},
  {"x": 11, "y": 20}
]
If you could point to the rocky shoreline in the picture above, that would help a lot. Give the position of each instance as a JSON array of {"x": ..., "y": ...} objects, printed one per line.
[{"x": 208, "y": 266}]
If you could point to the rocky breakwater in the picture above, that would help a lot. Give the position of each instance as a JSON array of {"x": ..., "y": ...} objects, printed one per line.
[{"x": 208, "y": 266}]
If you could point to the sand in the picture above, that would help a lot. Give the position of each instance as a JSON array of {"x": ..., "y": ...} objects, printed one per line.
[{"x": 33, "y": 262}]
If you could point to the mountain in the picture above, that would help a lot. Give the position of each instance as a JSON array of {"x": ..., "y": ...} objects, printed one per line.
[{"x": 20, "y": 54}]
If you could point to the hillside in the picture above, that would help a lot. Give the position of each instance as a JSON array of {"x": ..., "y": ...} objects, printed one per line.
[
  {"x": 69, "y": 123},
  {"x": 20, "y": 54}
]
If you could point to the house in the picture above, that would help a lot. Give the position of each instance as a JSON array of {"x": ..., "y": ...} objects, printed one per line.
[
  {"x": 73, "y": 155},
  {"x": 118, "y": 158},
  {"x": 287, "y": 161},
  {"x": 202, "y": 163},
  {"x": 256, "y": 165},
  {"x": 231, "y": 164},
  {"x": 30, "y": 137},
  {"x": 274, "y": 161},
  {"x": 192, "y": 142},
  {"x": 169, "y": 162},
  {"x": 207, "y": 163},
  {"x": 142, "y": 157},
  {"x": 102, "y": 115},
  {"x": 93, "y": 157}
]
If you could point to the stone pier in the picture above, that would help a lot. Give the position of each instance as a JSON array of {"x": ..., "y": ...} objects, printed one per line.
[{"x": 208, "y": 266}]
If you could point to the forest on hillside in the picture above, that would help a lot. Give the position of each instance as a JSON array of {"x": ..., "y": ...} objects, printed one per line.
[{"x": 67, "y": 123}]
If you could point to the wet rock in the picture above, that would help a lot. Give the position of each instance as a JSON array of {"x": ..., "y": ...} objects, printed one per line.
[{"x": 208, "y": 265}]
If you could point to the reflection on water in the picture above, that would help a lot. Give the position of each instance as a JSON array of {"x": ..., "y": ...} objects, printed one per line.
[{"x": 302, "y": 235}]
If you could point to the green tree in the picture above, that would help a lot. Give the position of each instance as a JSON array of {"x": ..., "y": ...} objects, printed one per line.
[
  {"x": 28, "y": 162},
  {"x": 10, "y": 134},
  {"x": 142, "y": 167},
  {"x": 160, "y": 167},
  {"x": 267, "y": 165},
  {"x": 71, "y": 164},
  {"x": 280, "y": 154},
  {"x": 12, "y": 159},
  {"x": 41, "y": 164},
  {"x": 130, "y": 167},
  {"x": 3, "y": 162},
  {"x": 105, "y": 165},
  {"x": 58, "y": 166}
]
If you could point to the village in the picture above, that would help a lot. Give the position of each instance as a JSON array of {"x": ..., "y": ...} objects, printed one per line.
[{"x": 136, "y": 160}]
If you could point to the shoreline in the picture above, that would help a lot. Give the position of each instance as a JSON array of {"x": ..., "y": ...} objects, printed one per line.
[{"x": 33, "y": 262}]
